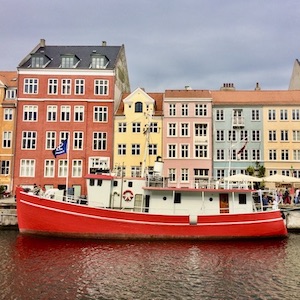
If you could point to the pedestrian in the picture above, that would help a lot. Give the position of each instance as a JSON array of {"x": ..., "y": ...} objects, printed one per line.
[{"x": 265, "y": 202}]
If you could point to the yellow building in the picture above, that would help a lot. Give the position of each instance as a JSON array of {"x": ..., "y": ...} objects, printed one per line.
[
  {"x": 8, "y": 96},
  {"x": 138, "y": 133}
]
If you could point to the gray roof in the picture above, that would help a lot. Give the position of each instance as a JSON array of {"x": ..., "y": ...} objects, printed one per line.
[{"x": 83, "y": 53}]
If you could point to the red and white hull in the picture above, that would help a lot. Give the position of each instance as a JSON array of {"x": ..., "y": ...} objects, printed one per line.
[{"x": 49, "y": 217}]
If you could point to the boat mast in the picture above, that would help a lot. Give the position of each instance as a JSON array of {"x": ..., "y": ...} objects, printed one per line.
[{"x": 146, "y": 132}]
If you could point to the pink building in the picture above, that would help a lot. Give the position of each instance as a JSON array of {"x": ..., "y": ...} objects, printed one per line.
[{"x": 187, "y": 136}]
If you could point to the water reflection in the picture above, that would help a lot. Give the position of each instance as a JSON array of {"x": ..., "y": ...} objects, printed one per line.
[{"x": 48, "y": 268}]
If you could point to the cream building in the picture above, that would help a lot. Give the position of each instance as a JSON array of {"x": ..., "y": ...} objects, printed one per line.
[{"x": 138, "y": 133}]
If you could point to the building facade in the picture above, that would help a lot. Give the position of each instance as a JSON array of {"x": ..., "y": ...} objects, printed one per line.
[
  {"x": 8, "y": 100},
  {"x": 67, "y": 92},
  {"x": 138, "y": 133}
]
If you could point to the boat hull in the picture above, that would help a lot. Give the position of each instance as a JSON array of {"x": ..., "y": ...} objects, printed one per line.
[{"x": 49, "y": 217}]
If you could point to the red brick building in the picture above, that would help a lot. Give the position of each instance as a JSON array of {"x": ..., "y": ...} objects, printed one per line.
[{"x": 67, "y": 92}]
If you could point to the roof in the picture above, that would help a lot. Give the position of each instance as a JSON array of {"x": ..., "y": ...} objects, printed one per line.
[
  {"x": 9, "y": 78},
  {"x": 187, "y": 94},
  {"x": 83, "y": 53},
  {"x": 282, "y": 97},
  {"x": 157, "y": 97}
]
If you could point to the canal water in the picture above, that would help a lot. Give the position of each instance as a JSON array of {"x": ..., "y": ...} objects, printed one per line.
[{"x": 52, "y": 268}]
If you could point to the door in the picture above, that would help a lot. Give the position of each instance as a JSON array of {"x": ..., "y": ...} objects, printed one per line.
[{"x": 224, "y": 203}]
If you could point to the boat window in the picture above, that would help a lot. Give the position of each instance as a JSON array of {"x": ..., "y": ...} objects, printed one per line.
[
  {"x": 130, "y": 184},
  {"x": 242, "y": 199},
  {"x": 115, "y": 183},
  {"x": 99, "y": 183},
  {"x": 92, "y": 182},
  {"x": 177, "y": 198}
]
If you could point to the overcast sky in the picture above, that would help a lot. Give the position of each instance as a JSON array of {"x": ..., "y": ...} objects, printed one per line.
[{"x": 169, "y": 44}]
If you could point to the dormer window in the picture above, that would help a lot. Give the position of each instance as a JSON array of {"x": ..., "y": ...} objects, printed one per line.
[
  {"x": 138, "y": 107},
  {"x": 67, "y": 62},
  {"x": 99, "y": 61},
  {"x": 11, "y": 94},
  {"x": 37, "y": 61}
]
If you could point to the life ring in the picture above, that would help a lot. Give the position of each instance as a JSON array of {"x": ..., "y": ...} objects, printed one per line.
[{"x": 127, "y": 195}]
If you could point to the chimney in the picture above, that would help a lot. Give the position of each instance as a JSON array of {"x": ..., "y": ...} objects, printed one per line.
[
  {"x": 42, "y": 42},
  {"x": 103, "y": 43},
  {"x": 257, "y": 87},
  {"x": 188, "y": 88},
  {"x": 227, "y": 87}
]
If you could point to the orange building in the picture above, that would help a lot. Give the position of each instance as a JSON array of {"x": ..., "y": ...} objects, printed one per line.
[{"x": 67, "y": 92}]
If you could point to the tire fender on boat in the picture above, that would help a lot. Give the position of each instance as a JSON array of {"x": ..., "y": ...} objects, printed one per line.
[{"x": 128, "y": 195}]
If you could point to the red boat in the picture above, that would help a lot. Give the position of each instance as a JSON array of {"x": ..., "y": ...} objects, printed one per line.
[{"x": 134, "y": 209}]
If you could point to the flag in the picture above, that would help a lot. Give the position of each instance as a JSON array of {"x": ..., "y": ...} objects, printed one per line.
[
  {"x": 61, "y": 148},
  {"x": 243, "y": 148}
]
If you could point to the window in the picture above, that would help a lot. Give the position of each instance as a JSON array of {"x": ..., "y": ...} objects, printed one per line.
[
  {"x": 50, "y": 140},
  {"x": 5, "y": 167},
  {"x": 27, "y": 168},
  {"x": 255, "y": 115},
  {"x": 67, "y": 62},
  {"x": 79, "y": 87},
  {"x": 296, "y": 135},
  {"x": 283, "y": 114},
  {"x": 101, "y": 87},
  {"x": 232, "y": 136},
  {"x": 220, "y": 136},
  {"x": 30, "y": 86},
  {"x": 284, "y": 135},
  {"x": 201, "y": 130},
  {"x": 243, "y": 155},
  {"x": 296, "y": 114},
  {"x": 172, "y": 110},
  {"x": 138, "y": 107},
  {"x": 11, "y": 94},
  {"x": 62, "y": 168},
  {"x": 65, "y": 112},
  {"x": 284, "y": 154},
  {"x": 272, "y": 115},
  {"x": 121, "y": 149},
  {"x": 220, "y": 154},
  {"x": 272, "y": 154},
  {"x": 100, "y": 113},
  {"x": 99, "y": 140},
  {"x": 177, "y": 197},
  {"x": 152, "y": 149},
  {"x": 63, "y": 135},
  {"x": 255, "y": 135},
  {"x": 76, "y": 168},
  {"x": 52, "y": 86},
  {"x": 184, "y": 110},
  {"x": 78, "y": 113},
  {"x": 184, "y": 151},
  {"x": 201, "y": 151},
  {"x": 272, "y": 135},
  {"x": 51, "y": 113},
  {"x": 184, "y": 175},
  {"x": 99, "y": 61},
  {"x": 296, "y": 154},
  {"x": 78, "y": 140},
  {"x": 201, "y": 172},
  {"x": 201, "y": 110},
  {"x": 172, "y": 175},
  {"x": 135, "y": 171},
  {"x": 66, "y": 86},
  {"x": 220, "y": 173},
  {"x": 49, "y": 168},
  {"x": 29, "y": 140},
  {"x": 136, "y": 127},
  {"x": 172, "y": 129},
  {"x": 135, "y": 149},
  {"x": 244, "y": 135},
  {"x": 256, "y": 155},
  {"x": 172, "y": 149},
  {"x": 184, "y": 129},
  {"x": 153, "y": 127},
  {"x": 30, "y": 113},
  {"x": 8, "y": 114},
  {"x": 220, "y": 115},
  {"x": 122, "y": 127},
  {"x": 242, "y": 199},
  {"x": 6, "y": 139}
]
